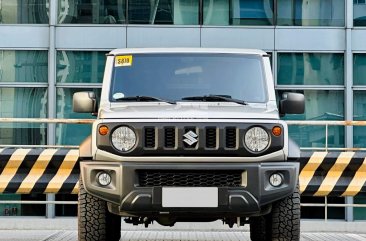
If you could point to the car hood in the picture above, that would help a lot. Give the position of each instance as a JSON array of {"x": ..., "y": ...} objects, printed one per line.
[{"x": 190, "y": 111}]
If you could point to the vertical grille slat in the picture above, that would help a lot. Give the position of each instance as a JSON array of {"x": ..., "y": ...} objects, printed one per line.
[
  {"x": 211, "y": 137},
  {"x": 150, "y": 137},
  {"x": 230, "y": 137},
  {"x": 169, "y": 137}
]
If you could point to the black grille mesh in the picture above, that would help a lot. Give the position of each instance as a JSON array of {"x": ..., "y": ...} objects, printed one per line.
[{"x": 163, "y": 178}]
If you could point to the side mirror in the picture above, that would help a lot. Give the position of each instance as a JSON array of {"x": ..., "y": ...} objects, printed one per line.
[
  {"x": 292, "y": 103},
  {"x": 84, "y": 102}
]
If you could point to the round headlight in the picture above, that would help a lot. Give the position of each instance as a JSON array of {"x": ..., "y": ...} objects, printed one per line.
[
  {"x": 256, "y": 139},
  {"x": 123, "y": 138}
]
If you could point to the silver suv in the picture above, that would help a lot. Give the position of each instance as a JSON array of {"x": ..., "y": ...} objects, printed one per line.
[{"x": 189, "y": 135}]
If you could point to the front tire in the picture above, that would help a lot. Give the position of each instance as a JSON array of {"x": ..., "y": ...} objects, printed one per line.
[
  {"x": 283, "y": 223},
  {"x": 95, "y": 223}
]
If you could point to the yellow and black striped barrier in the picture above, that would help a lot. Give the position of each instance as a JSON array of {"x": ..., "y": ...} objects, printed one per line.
[
  {"x": 332, "y": 173},
  {"x": 46, "y": 170},
  {"x": 39, "y": 170}
]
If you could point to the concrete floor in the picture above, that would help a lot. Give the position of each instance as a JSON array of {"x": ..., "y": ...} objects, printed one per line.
[
  {"x": 64, "y": 229},
  {"x": 145, "y": 235}
]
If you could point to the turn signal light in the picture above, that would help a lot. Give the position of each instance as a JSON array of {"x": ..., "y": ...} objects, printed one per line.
[
  {"x": 276, "y": 131},
  {"x": 103, "y": 130}
]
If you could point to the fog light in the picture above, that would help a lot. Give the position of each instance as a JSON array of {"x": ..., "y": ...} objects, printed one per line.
[
  {"x": 104, "y": 179},
  {"x": 276, "y": 179}
]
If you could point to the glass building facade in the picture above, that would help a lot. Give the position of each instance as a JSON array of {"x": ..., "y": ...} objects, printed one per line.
[{"x": 50, "y": 49}]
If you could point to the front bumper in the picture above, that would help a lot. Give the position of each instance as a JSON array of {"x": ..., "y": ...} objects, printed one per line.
[{"x": 128, "y": 198}]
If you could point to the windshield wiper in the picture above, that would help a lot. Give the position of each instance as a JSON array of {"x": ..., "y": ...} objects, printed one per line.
[
  {"x": 226, "y": 98},
  {"x": 144, "y": 98}
]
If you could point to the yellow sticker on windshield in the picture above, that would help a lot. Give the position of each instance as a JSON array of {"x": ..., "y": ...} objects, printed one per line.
[{"x": 122, "y": 61}]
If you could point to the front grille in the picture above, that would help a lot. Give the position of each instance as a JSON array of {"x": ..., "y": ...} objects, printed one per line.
[
  {"x": 194, "y": 139},
  {"x": 189, "y": 178},
  {"x": 172, "y": 138}
]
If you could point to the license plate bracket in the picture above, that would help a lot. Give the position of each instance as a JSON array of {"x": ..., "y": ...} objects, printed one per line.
[{"x": 192, "y": 197}]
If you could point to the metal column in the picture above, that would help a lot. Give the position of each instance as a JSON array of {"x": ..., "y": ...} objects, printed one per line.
[
  {"x": 348, "y": 91},
  {"x": 51, "y": 130}
]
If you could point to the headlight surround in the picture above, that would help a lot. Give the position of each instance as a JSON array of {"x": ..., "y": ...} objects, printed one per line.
[
  {"x": 256, "y": 139},
  {"x": 123, "y": 139}
]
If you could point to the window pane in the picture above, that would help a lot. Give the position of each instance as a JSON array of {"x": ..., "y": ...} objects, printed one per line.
[
  {"x": 360, "y": 213},
  {"x": 238, "y": 12},
  {"x": 319, "y": 105},
  {"x": 314, "y": 136},
  {"x": 178, "y": 75},
  {"x": 11, "y": 209},
  {"x": 80, "y": 67},
  {"x": 319, "y": 212},
  {"x": 310, "y": 69},
  {"x": 71, "y": 134},
  {"x": 66, "y": 210},
  {"x": 92, "y": 12},
  {"x": 311, "y": 12},
  {"x": 359, "y": 12},
  {"x": 359, "y": 113},
  {"x": 359, "y": 69},
  {"x": 23, "y": 103},
  {"x": 23, "y": 66},
  {"x": 163, "y": 12},
  {"x": 22, "y": 12}
]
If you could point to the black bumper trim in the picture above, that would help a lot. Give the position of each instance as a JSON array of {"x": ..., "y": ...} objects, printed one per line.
[
  {"x": 248, "y": 200},
  {"x": 148, "y": 201}
]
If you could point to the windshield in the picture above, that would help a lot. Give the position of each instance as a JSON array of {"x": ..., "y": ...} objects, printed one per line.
[{"x": 175, "y": 76}]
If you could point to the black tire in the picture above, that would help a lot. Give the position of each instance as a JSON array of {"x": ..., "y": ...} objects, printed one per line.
[
  {"x": 285, "y": 218},
  {"x": 282, "y": 224},
  {"x": 95, "y": 223},
  {"x": 258, "y": 230}
]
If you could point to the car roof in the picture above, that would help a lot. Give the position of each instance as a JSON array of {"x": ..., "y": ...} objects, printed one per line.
[{"x": 187, "y": 50}]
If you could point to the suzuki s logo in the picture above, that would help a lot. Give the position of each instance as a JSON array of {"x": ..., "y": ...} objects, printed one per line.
[{"x": 190, "y": 138}]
